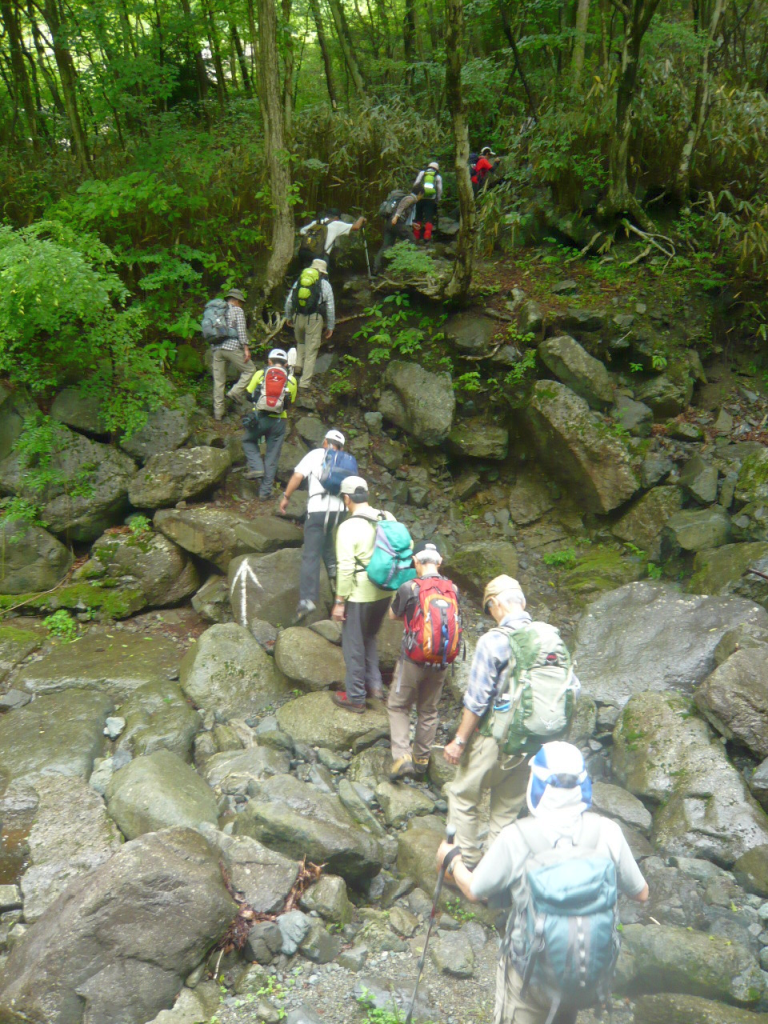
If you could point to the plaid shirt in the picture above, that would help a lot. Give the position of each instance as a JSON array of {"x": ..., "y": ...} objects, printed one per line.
[
  {"x": 236, "y": 319},
  {"x": 489, "y": 665}
]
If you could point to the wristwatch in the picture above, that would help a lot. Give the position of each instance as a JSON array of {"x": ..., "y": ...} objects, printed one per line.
[{"x": 460, "y": 741}]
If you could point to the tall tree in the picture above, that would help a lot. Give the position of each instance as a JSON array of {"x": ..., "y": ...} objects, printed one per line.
[
  {"x": 347, "y": 46},
  {"x": 579, "y": 41},
  {"x": 68, "y": 79},
  {"x": 9, "y": 16},
  {"x": 461, "y": 279},
  {"x": 323, "y": 44}
]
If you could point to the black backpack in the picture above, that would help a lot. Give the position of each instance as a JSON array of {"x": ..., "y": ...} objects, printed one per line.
[
  {"x": 391, "y": 203},
  {"x": 473, "y": 158},
  {"x": 313, "y": 239}
]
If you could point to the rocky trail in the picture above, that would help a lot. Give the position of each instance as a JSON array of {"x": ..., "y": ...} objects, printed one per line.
[{"x": 170, "y": 758}]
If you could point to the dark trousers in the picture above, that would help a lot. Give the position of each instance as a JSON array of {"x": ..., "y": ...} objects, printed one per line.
[
  {"x": 319, "y": 543},
  {"x": 358, "y": 642},
  {"x": 272, "y": 429},
  {"x": 391, "y": 234},
  {"x": 426, "y": 214}
]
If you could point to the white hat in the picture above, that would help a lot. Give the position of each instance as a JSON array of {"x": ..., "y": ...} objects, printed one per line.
[
  {"x": 434, "y": 166},
  {"x": 428, "y": 553},
  {"x": 488, "y": 150},
  {"x": 278, "y": 354},
  {"x": 336, "y": 437},
  {"x": 355, "y": 488},
  {"x": 320, "y": 265}
]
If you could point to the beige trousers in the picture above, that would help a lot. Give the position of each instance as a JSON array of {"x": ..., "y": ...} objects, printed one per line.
[
  {"x": 482, "y": 768},
  {"x": 512, "y": 1008},
  {"x": 308, "y": 332},
  {"x": 422, "y": 686},
  {"x": 221, "y": 360}
]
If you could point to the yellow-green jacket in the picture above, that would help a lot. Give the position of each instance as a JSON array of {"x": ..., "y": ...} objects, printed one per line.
[
  {"x": 290, "y": 387},
  {"x": 354, "y": 547}
]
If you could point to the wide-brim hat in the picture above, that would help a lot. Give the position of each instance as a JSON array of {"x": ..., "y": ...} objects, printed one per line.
[{"x": 235, "y": 293}]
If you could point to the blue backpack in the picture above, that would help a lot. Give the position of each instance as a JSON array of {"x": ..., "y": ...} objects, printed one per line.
[
  {"x": 568, "y": 919},
  {"x": 391, "y": 563},
  {"x": 336, "y": 466}
]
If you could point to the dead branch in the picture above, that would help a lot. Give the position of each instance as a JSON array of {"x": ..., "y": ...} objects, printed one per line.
[
  {"x": 585, "y": 250},
  {"x": 485, "y": 355}
]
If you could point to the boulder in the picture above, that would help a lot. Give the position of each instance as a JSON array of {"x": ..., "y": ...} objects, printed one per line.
[
  {"x": 530, "y": 319},
  {"x": 312, "y": 430},
  {"x": 417, "y": 401},
  {"x": 473, "y": 565},
  {"x": 117, "y": 664},
  {"x": 452, "y": 954},
  {"x": 328, "y": 898},
  {"x": 159, "y": 791},
  {"x": 416, "y": 853},
  {"x": 578, "y": 370},
  {"x": 735, "y": 699},
  {"x": 71, "y": 835},
  {"x": 299, "y": 821},
  {"x": 112, "y": 950},
  {"x": 264, "y": 877},
  {"x": 649, "y": 636},
  {"x": 211, "y": 602},
  {"x": 635, "y": 417},
  {"x": 663, "y": 753},
  {"x": 15, "y": 406},
  {"x": 752, "y": 482},
  {"x": 165, "y": 430},
  {"x": 655, "y": 469},
  {"x": 530, "y": 498},
  {"x": 751, "y": 870},
  {"x": 675, "y": 1008},
  {"x": 696, "y": 530},
  {"x": 80, "y": 411},
  {"x": 266, "y": 587},
  {"x": 399, "y": 803},
  {"x": 600, "y": 568},
  {"x": 158, "y": 717},
  {"x": 470, "y": 332},
  {"x": 206, "y": 532},
  {"x": 88, "y": 485},
  {"x": 33, "y": 560},
  {"x": 724, "y": 571},
  {"x": 615, "y": 802},
  {"x": 389, "y": 454},
  {"x": 269, "y": 533},
  {"x": 643, "y": 523},
  {"x": 228, "y": 671},
  {"x": 169, "y": 477},
  {"x": 667, "y": 395},
  {"x": 315, "y": 720},
  {"x": 750, "y": 523},
  {"x": 306, "y": 658},
  {"x": 575, "y": 445},
  {"x": 59, "y": 733},
  {"x": 16, "y": 643},
  {"x": 147, "y": 561},
  {"x": 233, "y": 771},
  {"x": 699, "y": 479},
  {"x": 758, "y": 784},
  {"x": 475, "y": 439}
]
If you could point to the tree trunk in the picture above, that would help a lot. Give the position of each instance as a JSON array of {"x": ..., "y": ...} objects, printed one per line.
[
  {"x": 516, "y": 55},
  {"x": 9, "y": 16},
  {"x": 580, "y": 41},
  {"x": 200, "y": 73},
  {"x": 276, "y": 151},
  {"x": 347, "y": 47},
  {"x": 68, "y": 79},
  {"x": 287, "y": 49},
  {"x": 409, "y": 38},
  {"x": 461, "y": 279},
  {"x": 218, "y": 63},
  {"x": 241, "y": 60},
  {"x": 323, "y": 44}
]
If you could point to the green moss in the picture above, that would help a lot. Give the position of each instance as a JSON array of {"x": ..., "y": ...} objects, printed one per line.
[
  {"x": 14, "y": 635},
  {"x": 600, "y": 569},
  {"x": 105, "y": 602}
]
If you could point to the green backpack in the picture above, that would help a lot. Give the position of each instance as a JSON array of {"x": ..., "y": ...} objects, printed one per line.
[
  {"x": 309, "y": 294},
  {"x": 314, "y": 238},
  {"x": 430, "y": 184},
  {"x": 535, "y": 700}
]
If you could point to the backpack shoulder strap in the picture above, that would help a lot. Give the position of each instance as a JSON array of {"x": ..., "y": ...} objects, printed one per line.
[{"x": 533, "y": 835}]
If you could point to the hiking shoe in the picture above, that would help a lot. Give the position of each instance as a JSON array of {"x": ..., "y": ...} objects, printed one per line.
[
  {"x": 303, "y": 609},
  {"x": 402, "y": 769},
  {"x": 377, "y": 694},
  {"x": 254, "y": 474},
  {"x": 420, "y": 765},
  {"x": 340, "y": 699}
]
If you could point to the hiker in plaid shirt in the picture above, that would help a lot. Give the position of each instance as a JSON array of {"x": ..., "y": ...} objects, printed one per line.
[{"x": 234, "y": 351}]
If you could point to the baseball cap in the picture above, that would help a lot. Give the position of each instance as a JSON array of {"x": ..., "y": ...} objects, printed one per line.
[
  {"x": 235, "y": 293},
  {"x": 488, "y": 150},
  {"x": 435, "y": 166},
  {"x": 336, "y": 437},
  {"x": 320, "y": 265},
  {"x": 355, "y": 488},
  {"x": 500, "y": 585},
  {"x": 278, "y": 353}
]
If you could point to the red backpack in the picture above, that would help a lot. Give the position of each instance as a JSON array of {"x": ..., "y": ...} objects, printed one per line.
[
  {"x": 272, "y": 397},
  {"x": 433, "y": 632}
]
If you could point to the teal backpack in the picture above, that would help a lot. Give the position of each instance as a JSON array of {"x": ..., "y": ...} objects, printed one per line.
[{"x": 391, "y": 563}]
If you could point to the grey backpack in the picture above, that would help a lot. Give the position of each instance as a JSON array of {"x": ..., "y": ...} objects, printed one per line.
[{"x": 215, "y": 326}]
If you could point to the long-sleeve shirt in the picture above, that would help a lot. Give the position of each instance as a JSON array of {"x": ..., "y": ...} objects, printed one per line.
[
  {"x": 354, "y": 547},
  {"x": 327, "y": 308},
  {"x": 236, "y": 320},
  {"x": 405, "y": 209},
  {"x": 490, "y": 663},
  {"x": 438, "y": 184}
]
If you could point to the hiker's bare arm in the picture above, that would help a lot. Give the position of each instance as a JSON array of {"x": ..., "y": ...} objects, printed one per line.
[
  {"x": 462, "y": 876},
  {"x": 468, "y": 724},
  {"x": 643, "y": 895},
  {"x": 358, "y": 223},
  {"x": 290, "y": 487}
]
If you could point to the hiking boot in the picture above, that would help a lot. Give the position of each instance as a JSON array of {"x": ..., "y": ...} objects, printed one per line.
[
  {"x": 303, "y": 609},
  {"x": 253, "y": 474},
  {"x": 340, "y": 699},
  {"x": 377, "y": 694},
  {"x": 402, "y": 769},
  {"x": 420, "y": 765}
]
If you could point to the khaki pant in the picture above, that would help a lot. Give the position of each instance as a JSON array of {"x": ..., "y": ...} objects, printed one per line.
[
  {"x": 221, "y": 360},
  {"x": 512, "y": 1008},
  {"x": 308, "y": 332},
  {"x": 420, "y": 685},
  {"x": 482, "y": 768}
]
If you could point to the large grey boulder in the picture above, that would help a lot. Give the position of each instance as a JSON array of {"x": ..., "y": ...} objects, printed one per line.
[
  {"x": 635, "y": 417},
  {"x": 71, "y": 835},
  {"x": 723, "y": 570},
  {"x": 158, "y": 717},
  {"x": 668, "y": 394},
  {"x": 169, "y": 477},
  {"x": 264, "y": 876},
  {"x": 476, "y": 439},
  {"x": 233, "y": 771},
  {"x": 752, "y": 482},
  {"x": 88, "y": 488},
  {"x": 159, "y": 791},
  {"x": 676, "y": 1008},
  {"x": 473, "y": 565},
  {"x": 417, "y": 401},
  {"x": 112, "y": 949},
  {"x": 576, "y": 368},
  {"x": 211, "y": 602},
  {"x": 315, "y": 720},
  {"x": 735, "y": 699},
  {"x": 148, "y": 562},
  {"x": 699, "y": 479},
  {"x": 16, "y": 643},
  {"x": 470, "y": 332},
  {"x": 266, "y": 587},
  {"x": 531, "y": 497},
  {"x": 33, "y": 559},
  {"x": 269, "y": 533},
  {"x": 299, "y": 821},
  {"x": 206, "y": 532},
  {"x": 643, "y": 523},
  {"x": 663, "y": 753},
  {"x": 228, "y": 671},
  {"x": 15, "y": 406},
  {"x": 309, "y": 659},
  {"x": 80, "y": 411},
  {"x": 649, "y": 636},
  {"x": 165, "y": 430},
  {"x": 577, "y": 448},
  {"x": 59, "y": 733},
  {"x": 696, "y": 530}
]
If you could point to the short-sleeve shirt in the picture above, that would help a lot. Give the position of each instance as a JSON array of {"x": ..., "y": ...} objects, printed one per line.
[{"x": 320, "y": 500}]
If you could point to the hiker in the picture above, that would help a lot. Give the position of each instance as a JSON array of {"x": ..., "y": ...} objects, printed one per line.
[
  {"x": 271, "y": 390},
  {"x": 481, "y": 168},
  {"x": 396, "y": 214},
  {"x": 429, "y": 608},
  {"x": 561, "y": 848},
  {"x": 426, "y": 208},
  {"x": 319, "y": 237},
  {"x": 224, "y": 327},
  {"x": 323, "y": 469},
  {"x": 310, "y": 302},
  {"x": 360, "y": 605},
  {"x": 498, "y": 727}
]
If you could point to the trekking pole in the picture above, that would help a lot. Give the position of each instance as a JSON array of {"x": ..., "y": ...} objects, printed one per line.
[
  {"x": 367, "y": 257},
  {"x": 450, "y": 835}
]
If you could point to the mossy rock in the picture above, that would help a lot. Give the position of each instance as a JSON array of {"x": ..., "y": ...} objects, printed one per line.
[
  {"x": 103, "y": 601},
  {"x": 600, "y": 569},
  {"x": 752, "y": 483}
]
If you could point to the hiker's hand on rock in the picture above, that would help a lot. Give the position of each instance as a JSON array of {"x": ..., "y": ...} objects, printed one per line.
[
  {"x": 328, "y": 335},
  {"x": 283, "y": 505},
  {"x": 452, "y": 753}
]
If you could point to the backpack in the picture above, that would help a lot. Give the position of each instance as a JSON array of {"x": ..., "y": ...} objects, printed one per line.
[
  {"x": 391, "y": 563},
  {"x": 314, "y": 238},
  {"x": 215, "y": 326},
  {"x": 391, "y": 203},
  {"x": 473, "y": 159},
  {"x": 566, "y": 919},
  {"x": 433, "y": 632},
  {"x": 309, "y": 295},
  {"x": 429, "y": 181},
  {"x": 336, "y": 465},
  {"x": 535, "y": 700},
  {"x": 272, "y": 391}
]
